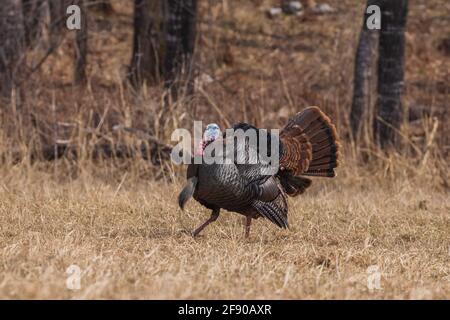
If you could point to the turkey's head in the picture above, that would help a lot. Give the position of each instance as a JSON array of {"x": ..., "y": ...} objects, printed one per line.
[{"x": 212, "y": 132}]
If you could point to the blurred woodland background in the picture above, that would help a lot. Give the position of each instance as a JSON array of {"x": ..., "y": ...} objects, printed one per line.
[{"x": 152, "y": 66}]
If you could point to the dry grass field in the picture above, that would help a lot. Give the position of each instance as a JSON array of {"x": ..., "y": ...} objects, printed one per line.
[
  {"x": 127, "y": 237},
  {"x": 118, "y": 220}
]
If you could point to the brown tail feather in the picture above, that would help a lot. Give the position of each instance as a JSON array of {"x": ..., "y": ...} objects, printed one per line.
[
  {"x": 293, "y": 185},
  {"x": 320, "y": 173},
  {"x": 310, "y": 145},
  {"x": 325, "y": 151}
]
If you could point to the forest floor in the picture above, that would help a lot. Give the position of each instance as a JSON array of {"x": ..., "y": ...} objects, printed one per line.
[
  {"x": 128, "y": 239},
  {"x": 384, "y": 217}
]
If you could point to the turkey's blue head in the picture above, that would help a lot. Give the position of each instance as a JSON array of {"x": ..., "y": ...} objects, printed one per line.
[{"x": 212, "y": 132}]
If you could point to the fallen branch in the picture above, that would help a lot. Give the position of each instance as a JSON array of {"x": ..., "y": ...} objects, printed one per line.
[
  {"x": 144, "y": 136},
  {"x": 100, "y": 151}
]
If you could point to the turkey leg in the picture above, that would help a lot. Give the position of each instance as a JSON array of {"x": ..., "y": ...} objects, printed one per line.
[
  {"x": 214, "y": 216},
  {"x": 248, "y": 222}
]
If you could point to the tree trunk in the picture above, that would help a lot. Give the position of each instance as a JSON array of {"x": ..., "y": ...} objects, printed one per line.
[
  {"x": 173, "y": 41},
  {"x": 11, "y": 49},
  {"x": 180, "y": 43},
  {"x": 57, "y": 10},
  {"x": 32, "y": 14},
  {"x": 145, "y": 59},
  {"x": 81, "y": 47},
  {"x": 189, "y": 37},
  {"x": 391, "y": 72},
  {"x": 103, "y": 6},
  {"x": 363, "y": 75}
]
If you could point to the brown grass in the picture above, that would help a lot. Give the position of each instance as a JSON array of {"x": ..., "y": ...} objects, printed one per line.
[
  {"x": 127, "y": 237},
  {"x": 118, "y": 219}
]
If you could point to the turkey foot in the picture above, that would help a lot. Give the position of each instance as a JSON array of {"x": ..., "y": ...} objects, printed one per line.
[
  {"x": 248, "y": 223},
  {"x": 214, "y": 216}
]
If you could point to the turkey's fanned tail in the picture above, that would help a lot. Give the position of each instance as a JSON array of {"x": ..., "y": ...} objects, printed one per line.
[
  {"x": 292, "y": 185},
  {"x": 310, "y": 145}
]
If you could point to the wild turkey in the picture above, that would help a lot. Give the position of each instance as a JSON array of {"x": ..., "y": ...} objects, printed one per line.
[{"x": 308, "y": 146}]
